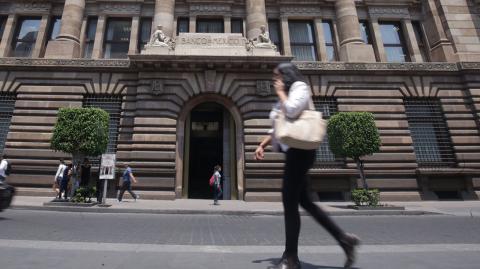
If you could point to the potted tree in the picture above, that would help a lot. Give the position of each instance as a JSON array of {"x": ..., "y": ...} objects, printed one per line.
[
  {"x": 80, "y": 132},
  {"x": 355, "y": 135}
]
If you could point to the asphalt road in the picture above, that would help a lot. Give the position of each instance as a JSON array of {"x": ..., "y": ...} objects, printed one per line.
[{"x": 43, "y": 239}]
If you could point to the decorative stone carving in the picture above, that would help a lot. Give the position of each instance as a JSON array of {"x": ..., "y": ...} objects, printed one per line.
[
  {"x": 199, "y": 9},
  {"x": 159, "y": 43},
  {"x": 64, "y": 62},
  {"x": 264, "y": 88},
  {"x": 300, "y": 10},
  {"x": 263, "y": 40},
  {"x": 389, "y": 12},
  {"x": 119, "y": 8},
  {"x": 157, "y": 87},
  {"x": 30, "y": 6},
  {"x": 379, "y": 66}
]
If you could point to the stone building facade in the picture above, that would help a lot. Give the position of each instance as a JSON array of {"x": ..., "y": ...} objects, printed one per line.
[{"x": 415, "y": 64}]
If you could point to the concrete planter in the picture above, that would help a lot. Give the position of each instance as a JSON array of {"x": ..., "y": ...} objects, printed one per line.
[{"x": 57, "y": 202}]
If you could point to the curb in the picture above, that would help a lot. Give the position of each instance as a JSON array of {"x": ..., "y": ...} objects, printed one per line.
[{"x": 96, "y": 209}]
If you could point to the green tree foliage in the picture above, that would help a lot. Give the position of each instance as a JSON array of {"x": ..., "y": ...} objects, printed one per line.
[
  {"x": 353, "y": 135},
  {"x": 81, "y": 131}
]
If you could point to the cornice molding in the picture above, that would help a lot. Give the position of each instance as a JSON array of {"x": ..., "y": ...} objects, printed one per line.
[
  {"x": 136, "y": 61},
  {"x": 31, "y": 7}
]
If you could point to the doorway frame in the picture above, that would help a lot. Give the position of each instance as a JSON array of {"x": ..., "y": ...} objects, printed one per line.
[{"x": 180, "y": 151}]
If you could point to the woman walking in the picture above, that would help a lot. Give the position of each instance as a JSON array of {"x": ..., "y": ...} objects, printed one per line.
[
  {"x": 294, "y": 97},
  {"x": 67, "y": 172}
]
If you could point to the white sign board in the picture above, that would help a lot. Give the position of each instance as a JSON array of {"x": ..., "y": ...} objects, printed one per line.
[{"x": 107, "y": 166}]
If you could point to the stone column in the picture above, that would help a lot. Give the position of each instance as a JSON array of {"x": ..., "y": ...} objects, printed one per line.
[
  {"x": 377, "y": 40},
  {"x": 287, "y": 50},
  {"x": 5, "y": 45},
  {"x": 322, "y": 49},
  {"x": 352, "y": 48},
  {"x": 164, "y": 15},
  {"x": 132, "y": 48},
  {"x": 412, "y": 42},
  {"x": 41, "y": 37},
  {"x": 99, "y": 36},
  {"x": 441, "y": 49},
  {"x": 227, "y": 24},
  {"x": 256, "y": 17},
  {"x": 192, "y": 27},
  {"x": 67, "y": 44}
]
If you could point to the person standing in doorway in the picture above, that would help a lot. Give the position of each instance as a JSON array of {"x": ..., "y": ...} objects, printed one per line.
[
  {"x": 294, "y": 97},
  {"x": 58, "y": 177},
  {"x": 217, "y": 186},
  {"x": 85, "y": 170},
  {"x": 127, "y": 178}
]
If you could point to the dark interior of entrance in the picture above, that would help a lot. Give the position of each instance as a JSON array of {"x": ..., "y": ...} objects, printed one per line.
[{"x": 206, "y": 148}]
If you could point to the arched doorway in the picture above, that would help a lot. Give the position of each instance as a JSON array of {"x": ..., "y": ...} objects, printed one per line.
[{"x": 209, "y": 132}]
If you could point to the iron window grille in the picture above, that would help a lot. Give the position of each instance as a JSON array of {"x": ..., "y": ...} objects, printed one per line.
[
  {"x": 430, "y": 135},
  {"x": 324, "y": 156},
  {"x": 7, "y": 105},
  {"x": 113, "y": 105}
]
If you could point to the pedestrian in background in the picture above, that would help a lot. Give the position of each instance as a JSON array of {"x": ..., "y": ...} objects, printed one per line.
[
  {"x": 85, "y": 172},
  {"x": 217, "y": 184},
  {"x": 295, "y": 97},
  {"x": 67, "y": 173},
  {"x": 127, "y": 178},
  {"x": 3, "y": 169},
  {"x": 57, "y": 181}
]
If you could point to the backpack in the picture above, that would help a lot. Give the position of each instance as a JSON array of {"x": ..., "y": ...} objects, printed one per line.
[
  {"x": 9, "y": 169},
  {"x": 212, "y": 180}
]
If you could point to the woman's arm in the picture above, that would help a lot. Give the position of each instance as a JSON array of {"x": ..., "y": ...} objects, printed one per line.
[{"x": 259, "y": 152}]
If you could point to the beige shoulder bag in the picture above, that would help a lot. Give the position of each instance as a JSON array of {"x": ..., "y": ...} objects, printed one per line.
[{"x": 305, "y": 132}]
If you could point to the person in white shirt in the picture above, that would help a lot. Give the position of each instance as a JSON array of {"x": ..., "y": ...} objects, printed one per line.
[
  {"x": 3, "y": 168},
  {"x": 57, "y": 181},
  {"x": 294, "y": 97}
]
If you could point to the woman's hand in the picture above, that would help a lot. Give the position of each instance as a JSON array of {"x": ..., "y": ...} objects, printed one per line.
[
  {"x": 259, "y": 153},
  {"x": 280, "y": 90}
]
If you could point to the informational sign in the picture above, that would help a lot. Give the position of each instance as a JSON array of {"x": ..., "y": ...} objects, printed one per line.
[{"x": 107, "y": 166}]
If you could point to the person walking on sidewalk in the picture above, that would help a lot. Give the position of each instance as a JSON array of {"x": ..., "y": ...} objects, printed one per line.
[
  {"x": 3, "y": 169},
  {"x": 217, "y": 186},
  {"x": 295, "y": 97},
  {"x": 67, "y": 173},
  {"x": 85, "y": 172},
  {"x": 127, "y": 178},
  {"x": 57, "y": 181}
]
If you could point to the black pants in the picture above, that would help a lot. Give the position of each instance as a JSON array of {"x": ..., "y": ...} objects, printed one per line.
[
  {"x": 127, "y": 186},
  {"x": 63, "y": 188},
  {"x": 217, "y": 192},
  {"x": 295, "y": 192}
]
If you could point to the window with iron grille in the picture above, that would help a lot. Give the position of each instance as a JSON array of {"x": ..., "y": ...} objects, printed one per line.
[
  {"x": 7, "y": 105},
  {"x": 90, "y": 36},
  {"x": 113, "y": 105},
  {"x": 325, "y": 157},
  {"x": 430, "y": 135}
]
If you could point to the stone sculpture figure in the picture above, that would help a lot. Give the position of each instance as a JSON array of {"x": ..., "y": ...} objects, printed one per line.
[
  {"x": 262, "y": 41},
  {"x": 159, "y": 38}
]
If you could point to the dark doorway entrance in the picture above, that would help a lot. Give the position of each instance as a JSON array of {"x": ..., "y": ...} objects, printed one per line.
[{"x": 206, "y": 148}]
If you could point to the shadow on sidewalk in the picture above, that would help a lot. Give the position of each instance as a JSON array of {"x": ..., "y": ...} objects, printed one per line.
[{"x": 305, "y": 265}]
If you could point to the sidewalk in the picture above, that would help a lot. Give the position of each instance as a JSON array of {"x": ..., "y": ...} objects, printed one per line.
[{"x": 185, "y": 206}]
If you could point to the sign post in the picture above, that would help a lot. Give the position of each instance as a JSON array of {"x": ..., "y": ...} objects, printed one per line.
[{"x": 107, "y": 171}]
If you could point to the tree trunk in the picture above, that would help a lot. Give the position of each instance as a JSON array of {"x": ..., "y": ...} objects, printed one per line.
[
  {"x": 77, "y": 160},
  {"x": 362, "y": 174}
]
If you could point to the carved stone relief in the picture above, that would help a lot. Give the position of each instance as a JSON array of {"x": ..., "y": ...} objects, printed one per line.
[
  {"x": 300, "y": 11},
  {"x": 198, "y": 9},
  {"x": 389, "y": 12},
  {"x": 264, "y": 88},
  {"x": 119, "y": 8},
  {"x": 157, "y": 87},
  {"x": 30, "y": 6}
]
